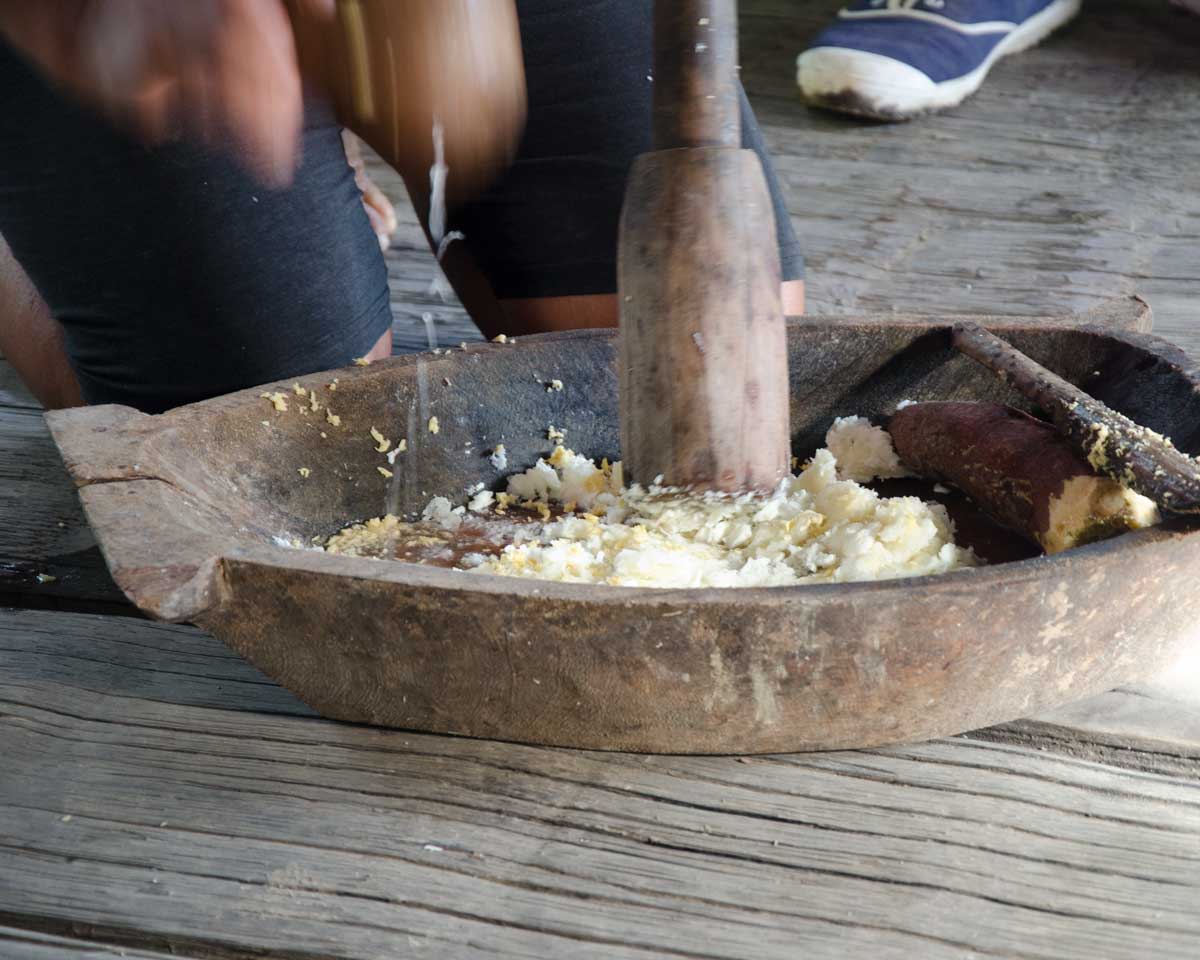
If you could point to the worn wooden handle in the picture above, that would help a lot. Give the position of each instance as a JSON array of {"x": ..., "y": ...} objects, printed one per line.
[
  {"x": 704, "y": 387},
  {"x": 696, "y": 101},
  {"x": 704, "y": 380}
]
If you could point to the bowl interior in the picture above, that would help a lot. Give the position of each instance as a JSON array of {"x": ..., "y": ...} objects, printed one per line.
[{"x": 301, "y": 473}]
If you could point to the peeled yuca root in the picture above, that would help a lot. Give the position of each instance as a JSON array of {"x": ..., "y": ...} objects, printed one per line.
[{"x": 1019, "y": 470}]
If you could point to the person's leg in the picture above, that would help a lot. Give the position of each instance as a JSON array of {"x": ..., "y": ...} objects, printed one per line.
[
  {"x": 379, "y": 208},
  {"x": 175, "y": 276},
  {"x": 540, "y": 248}
]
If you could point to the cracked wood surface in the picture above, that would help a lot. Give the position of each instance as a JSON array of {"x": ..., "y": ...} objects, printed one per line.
[
  {"x": 160, "y": 794},
  {"x": 159, "y": 797}
]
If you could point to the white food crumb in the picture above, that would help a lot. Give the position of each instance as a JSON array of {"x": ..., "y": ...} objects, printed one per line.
[
  {"x": 500, "y": 338},
  {"x": 481, "y": 501},
  {"x": 434, "y": 426},
  {"x": 554, "y": 435},
  {"x": 304, "y": 472},
  {"x": 440, "y": 511},
  {"x": 864, "y": 452},
  {"x": 499, "y": 457},
  {"x": 361, "y": 362},
  {"x": 332, "y": 418},
  {"x": 554, "y": 386},
  {"x": 299, "y": 390},
  {"x": 1141, "y": 511},
  {"x": 278, "y": 400},
  {"x": 385, "y": 472},
  {"x": 906, "y": 403}
]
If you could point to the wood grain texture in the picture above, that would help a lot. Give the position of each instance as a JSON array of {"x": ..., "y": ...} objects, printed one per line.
[
  {"x": 703, "y": 349},
  {"x": 48, "y": 556},
  {"x": 703, "y": 370},
  {"x": 18, "y": 944},
  {"x": 696, "y": 99},
  {"x": 12, "y": 391},
  {"x": 35, "y": 488},
  {"x": 222, "y": 830}
]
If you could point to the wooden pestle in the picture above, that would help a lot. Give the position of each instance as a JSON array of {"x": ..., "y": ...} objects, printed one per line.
[
  {"x": 393, "y": 67},
  {"x": 703, "y": 352}
]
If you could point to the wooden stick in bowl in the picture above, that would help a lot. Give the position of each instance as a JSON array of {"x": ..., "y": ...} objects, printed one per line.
[{"x": 1112, "y": 443}]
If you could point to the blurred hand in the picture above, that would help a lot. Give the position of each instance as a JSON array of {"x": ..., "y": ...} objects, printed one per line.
[{"x": 223, "y": 71}]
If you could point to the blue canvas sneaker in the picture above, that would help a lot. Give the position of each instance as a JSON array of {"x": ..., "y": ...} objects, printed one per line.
[{"x": 895, "y": 59}]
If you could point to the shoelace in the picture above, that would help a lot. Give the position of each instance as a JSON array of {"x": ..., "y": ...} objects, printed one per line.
[{"x": 908, "y": 4}]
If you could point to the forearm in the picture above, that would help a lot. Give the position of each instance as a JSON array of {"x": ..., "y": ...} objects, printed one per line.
[{"x": 31, "y": 339}]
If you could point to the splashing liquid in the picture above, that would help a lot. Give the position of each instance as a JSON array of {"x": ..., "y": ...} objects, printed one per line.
[
  {"x": 403, "y": 497},
  {"x": 439, "y": 173}
]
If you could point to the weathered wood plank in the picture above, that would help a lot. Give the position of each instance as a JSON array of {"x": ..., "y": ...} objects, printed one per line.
[
  {"x": 192, "y": 821},
  {"x": 43, "y": 514},
  {"x": 1120, "y": 726},
  {"x": 48, "y": 556},
  {"x": 31, "y": 945},
  {"x": 12, "y": 390},
  {"x": 160, "y": 663}
]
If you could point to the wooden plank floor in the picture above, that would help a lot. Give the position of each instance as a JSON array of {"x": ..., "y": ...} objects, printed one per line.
[{"x": 198, "y": 809}]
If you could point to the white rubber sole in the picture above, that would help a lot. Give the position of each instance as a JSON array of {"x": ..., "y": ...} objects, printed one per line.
[{"x": 875, "y": 86}]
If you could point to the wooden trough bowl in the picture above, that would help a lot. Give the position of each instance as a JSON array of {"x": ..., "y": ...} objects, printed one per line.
[{"x": 188, "y": 507}]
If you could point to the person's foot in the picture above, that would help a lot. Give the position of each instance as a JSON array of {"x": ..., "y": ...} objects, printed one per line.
[
  {"x": 379, "y": 208},
  {"x": 896, "y": 59}
]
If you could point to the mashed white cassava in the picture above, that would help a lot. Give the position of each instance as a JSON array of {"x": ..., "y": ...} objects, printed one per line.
[
  {"x": 817, "y": 527},
  {"x": 814, "y": 528},
  {"x": 820, "y": 526}
]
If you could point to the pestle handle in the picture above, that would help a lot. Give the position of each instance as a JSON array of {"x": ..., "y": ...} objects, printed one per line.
[{"x": 696, "y": 101}]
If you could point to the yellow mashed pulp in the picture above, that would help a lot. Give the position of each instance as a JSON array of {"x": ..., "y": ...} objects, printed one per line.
[{"x": 817, "y": 527}]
